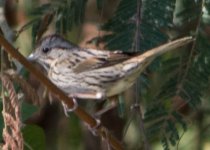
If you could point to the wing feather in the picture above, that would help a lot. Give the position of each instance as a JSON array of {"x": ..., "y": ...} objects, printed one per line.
[{"x": 97, "y": 62}]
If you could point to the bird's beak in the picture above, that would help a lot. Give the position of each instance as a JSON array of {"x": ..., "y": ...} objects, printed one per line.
[{"x": 32, "y": 57}]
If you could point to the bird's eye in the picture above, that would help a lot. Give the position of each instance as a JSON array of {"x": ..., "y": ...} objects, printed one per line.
[{"x": 45, "y": 50}]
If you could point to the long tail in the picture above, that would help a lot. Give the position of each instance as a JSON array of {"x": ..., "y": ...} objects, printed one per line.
[{"x": 150, "y": 54}]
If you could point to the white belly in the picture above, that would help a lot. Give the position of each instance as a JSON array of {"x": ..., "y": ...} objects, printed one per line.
[{"x": 122, "y": 85}]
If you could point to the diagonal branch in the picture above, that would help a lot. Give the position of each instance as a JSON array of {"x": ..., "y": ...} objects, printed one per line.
[{"x": 60, "y": 94}]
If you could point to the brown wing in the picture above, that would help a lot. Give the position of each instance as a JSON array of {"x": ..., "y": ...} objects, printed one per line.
[{"x": 101, "y": 62}]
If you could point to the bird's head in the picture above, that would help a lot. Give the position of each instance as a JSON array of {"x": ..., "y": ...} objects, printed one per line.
[{"x": 49, "y": 49}]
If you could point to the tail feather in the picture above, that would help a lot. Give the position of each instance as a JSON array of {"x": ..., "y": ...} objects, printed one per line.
[{"x": 150, "y": 54}]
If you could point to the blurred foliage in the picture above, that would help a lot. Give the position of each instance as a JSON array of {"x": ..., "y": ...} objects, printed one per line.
[
  {"x": 65, "y": 15},
  {"x": 34, "y": 138},
  {"x": 27, "y": 110},
  {"x": 173, "y": 86}
]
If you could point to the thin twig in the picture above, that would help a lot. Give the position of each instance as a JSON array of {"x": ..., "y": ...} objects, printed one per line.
[
  {"x": 192, "y": 50},
  {"x": 138, "y": 22},
  {"x": 100, "y": 18},
  {"x": 137, "y": 106},
  {"x": 7, "y": 31},
  {"x": 60, "y": 94}
]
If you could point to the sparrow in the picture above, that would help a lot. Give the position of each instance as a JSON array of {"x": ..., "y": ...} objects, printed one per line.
[{"x": 86, "y": 73}]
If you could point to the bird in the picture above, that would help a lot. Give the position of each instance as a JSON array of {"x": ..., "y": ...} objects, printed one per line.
[{"x": 86, "y": 73}]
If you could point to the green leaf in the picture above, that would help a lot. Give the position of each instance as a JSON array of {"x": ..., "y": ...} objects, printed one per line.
[
  {"x": 34, "y": 138},
  {"x": 27, "y": 110},
  {"x": 41, "y": 10},
  {"x": 165, "y": 143},
  {"x": 68, "y": 13}
]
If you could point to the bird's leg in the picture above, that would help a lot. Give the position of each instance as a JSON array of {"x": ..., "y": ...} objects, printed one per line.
[
  {"x": 67, "y": 109},
  {"x": 113, "y": 101}
]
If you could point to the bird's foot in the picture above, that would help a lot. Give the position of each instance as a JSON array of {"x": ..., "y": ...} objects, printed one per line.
[
  {"x": 67, "y": 109},
  {"x": 94, "y": 129}
]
